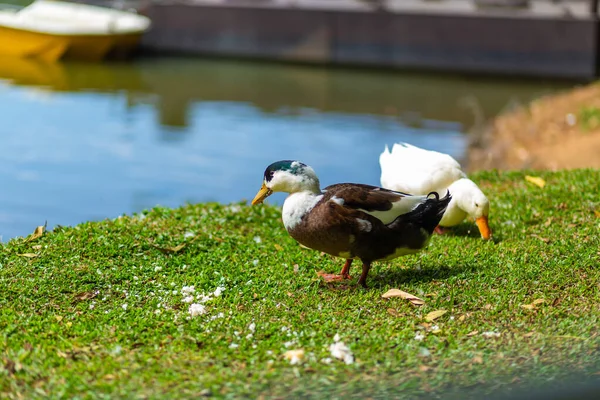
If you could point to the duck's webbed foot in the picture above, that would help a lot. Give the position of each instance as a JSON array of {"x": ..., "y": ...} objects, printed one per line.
[{"x": 343, "y": 275}]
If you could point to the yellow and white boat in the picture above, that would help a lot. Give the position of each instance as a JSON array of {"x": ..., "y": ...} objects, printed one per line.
[{"x": 51, "y": 30}]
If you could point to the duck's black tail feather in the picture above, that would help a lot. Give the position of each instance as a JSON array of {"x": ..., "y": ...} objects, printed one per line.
[{"x": 428, "y": 214}]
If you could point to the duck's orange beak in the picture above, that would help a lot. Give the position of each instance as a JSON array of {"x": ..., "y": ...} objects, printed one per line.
[
  {"x": 484, "y": 228},
  {"x": 262, "y": 194}
]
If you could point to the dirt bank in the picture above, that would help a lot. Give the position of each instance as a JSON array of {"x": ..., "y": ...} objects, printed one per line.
[{"x": 561, "y": 131}]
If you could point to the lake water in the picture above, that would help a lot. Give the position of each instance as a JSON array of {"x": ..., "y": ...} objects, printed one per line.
[{"x": 87, "y": 142}]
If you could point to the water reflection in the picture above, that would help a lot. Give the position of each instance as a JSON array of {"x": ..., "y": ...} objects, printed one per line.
[{"x": 91, "y": 141}]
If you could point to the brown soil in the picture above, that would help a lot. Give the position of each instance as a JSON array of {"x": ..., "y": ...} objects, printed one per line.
[{"x": 546, "y": 134}]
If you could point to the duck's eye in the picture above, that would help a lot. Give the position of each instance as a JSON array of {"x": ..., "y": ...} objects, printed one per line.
[
  {"x": 269, "y": 176},
  {"x": 476, "y": 205}
]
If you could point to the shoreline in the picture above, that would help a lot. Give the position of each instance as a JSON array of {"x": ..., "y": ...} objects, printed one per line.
[{"x": 559, "y": 131}]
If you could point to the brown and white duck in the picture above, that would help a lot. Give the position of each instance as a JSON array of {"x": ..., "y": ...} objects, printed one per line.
[{"x": 349, "y": 220}]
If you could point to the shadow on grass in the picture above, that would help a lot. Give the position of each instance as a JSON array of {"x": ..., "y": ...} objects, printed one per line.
[
  {"x": 470, "y": 230},
  {"x": 392, "y": 275}
]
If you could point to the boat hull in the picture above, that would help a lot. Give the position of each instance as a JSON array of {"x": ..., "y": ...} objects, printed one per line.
[
  {"x": 50, "y": 30},
  {"x": 48, "y": 47},
  {"x": 26, "y": 44}
]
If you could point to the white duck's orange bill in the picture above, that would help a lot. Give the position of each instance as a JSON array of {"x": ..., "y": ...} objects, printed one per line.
[{"x": 484, "y": 227}]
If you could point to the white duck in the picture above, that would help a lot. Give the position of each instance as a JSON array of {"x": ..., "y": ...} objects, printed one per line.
[{"x": 410, "y": 169}]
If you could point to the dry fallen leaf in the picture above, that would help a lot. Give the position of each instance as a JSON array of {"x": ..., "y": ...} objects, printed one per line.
[
  {"x": 597, "y": 213},
  {"x": 62, "y": 354},
  {"x": 477, "y": 360},
  {"x": 399, "y": 293},
  {"x": 424, "y": 368},
  {"x": 548, "y": 222},
  {"x": 29, "y": 255},
  {"x": 543, "y": 239},
  {"x": 37, "y": 233},
  {"x": 294, "y": 356},
  {"x": 175, "y": 249},
  {"x": 530, "y": 334},
  {"x": 85, "y": 296},
  {"x": 435, "y": 314},
  {"x": 393, "y": 312},
  {"x": 462, "y": 318},
  {"x": 533, "y": 305},
  {"x": 472, "y": 333},
  {"x": 536, "y": 180},
  {"x": 277, "y": 247}
]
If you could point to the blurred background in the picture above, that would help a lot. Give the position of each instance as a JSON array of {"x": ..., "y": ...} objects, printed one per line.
[{"x": 189, "y": 117}]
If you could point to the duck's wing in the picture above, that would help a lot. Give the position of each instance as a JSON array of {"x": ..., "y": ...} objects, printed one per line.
[
  {"x": 383, "y": 204},
  {"x": 414, "y": 170}
]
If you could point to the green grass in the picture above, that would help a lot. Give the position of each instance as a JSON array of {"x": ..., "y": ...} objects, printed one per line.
[
  {"x": 589, "y": 117},
  {"x": 65, "y": 331}
]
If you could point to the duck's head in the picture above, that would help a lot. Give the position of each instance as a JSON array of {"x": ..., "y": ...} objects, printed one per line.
[
  {"x": 471, "y": 199},
  {"x": 287, "y": 176}
]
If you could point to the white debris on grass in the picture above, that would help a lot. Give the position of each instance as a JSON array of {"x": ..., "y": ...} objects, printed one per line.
[
  {"x": 189, "y": 235},
  {"x": 196, "y": 309},
  {"x": 124, "y": 306},
  {"x": 188, "y": 290},
  {"x": 235, "y": 208},
  {"x": 419, "y": 336},
  {"x": 234, "y": 346},
  {"x": 252, "y": 327},
  {"x": 202, "y": 298},
  {"x": 340, "y": 351},
  {"x": 255, "y": 262},
  {"x": 219, "y": 315},
  {"x": 490, "y": 334},
  {"x": 257, "y": 239}
]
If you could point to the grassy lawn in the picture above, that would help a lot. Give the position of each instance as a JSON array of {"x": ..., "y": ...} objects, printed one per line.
[{"x": 101, "y": 310}]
